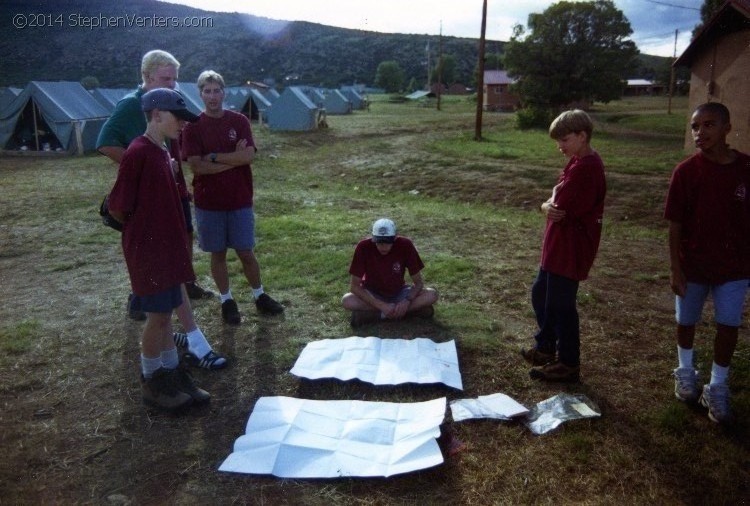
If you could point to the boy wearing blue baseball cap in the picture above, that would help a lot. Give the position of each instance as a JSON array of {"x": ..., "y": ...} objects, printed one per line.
[{"x": 145, "y": 199}]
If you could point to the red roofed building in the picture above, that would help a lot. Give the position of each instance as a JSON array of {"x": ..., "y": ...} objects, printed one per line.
[{"x": 497, "y": 93}]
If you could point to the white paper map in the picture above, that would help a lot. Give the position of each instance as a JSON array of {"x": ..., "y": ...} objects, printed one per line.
[
  {"x": 499, "y": 406},
  {"x": 381, "y": 361},
  {"x": 299, "y": 438}
]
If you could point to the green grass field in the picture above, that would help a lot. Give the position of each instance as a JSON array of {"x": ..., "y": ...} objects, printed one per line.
[{"x": 72, "y": 425}]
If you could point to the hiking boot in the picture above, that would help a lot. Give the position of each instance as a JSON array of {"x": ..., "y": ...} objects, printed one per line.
[
  {"x": 195, "y": 291},
  {"x": 184, "y": 382},
  {"x": 160, "y": 391},
  {"x": 686, "y": 384},
  {"x": 266, "y": 305},
  {"x": 716, "y": 399},
  {"x": 536, "y": 357},
  {"x": 229, "y": 312},
  {"x": 363, "y": 317},
  {"x": 555, "y": 371},
  {"x": 134, "y": 313}
]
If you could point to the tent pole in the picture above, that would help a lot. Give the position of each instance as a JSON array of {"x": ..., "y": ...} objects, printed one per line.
[{"x": 36, "y": 128}]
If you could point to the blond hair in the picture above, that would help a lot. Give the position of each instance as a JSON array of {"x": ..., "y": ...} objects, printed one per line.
[
  {"x": 569, "y": 122},
  {"x": 155, "y": 59},
  {"x": 210, "y": 76}
]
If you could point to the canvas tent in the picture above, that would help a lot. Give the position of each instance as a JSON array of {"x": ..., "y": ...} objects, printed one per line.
[
  {"x": 248, "y": 101},
  {"x": 336, "y": 103},
  {"x": 294, "y": 111},
  {"x": 358, "y": 102},
  {"x": 109, "y": 97},
  {"x": 8, "y": 95},
  {"x": 192, "y": 96},
  {"x": 52, "y": 116}
]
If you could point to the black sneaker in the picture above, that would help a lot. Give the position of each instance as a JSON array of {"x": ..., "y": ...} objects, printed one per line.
[
  {"x": 184, "y": 383},
  {"x": 229, "y": 312},
  {"x": 160, "y": 391},
  {"x": 134, "y": 313},
  {"x": 196, "y": 292},
  {"x": 267, "y": 305}
]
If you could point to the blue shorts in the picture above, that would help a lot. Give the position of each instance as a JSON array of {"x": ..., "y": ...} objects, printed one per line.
[
  {"x": 222, "y": 230},
  {"x": 162, "y": 302},
  {"x": 188, "y": 214},
  {"x": 728, "y": 299},
  {"x": 402, "y": 295}
]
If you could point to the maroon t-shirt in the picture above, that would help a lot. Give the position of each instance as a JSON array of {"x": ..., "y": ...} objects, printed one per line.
[
  {"x": 154, "y": 238},
  {"x": 570, "y": 245},
  {"x": 712, "y": 203},
  {"x": 229, "y": 190},
  {"x": 384, "y": 274}
]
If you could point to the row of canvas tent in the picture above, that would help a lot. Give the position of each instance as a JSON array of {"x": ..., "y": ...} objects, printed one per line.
[{"x": 63, "y": 116}]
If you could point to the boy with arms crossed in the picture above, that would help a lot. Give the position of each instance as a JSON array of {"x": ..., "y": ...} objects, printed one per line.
[{"x": 571, "y": 241}]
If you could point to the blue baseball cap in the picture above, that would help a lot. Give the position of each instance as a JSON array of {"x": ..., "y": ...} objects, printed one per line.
[{"x": 166, "y": 99}]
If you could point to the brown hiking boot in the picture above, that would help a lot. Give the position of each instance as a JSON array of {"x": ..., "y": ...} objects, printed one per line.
[
  {"x": 536, "y": 357},
  {"x": 160, "y": 391},
  {"x": 184, "y": 382},
  {"x": 363, "y": 317},
  {"x": 556, "y": 371}
]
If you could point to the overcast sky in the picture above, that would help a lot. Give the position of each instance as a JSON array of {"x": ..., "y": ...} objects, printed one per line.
[{"x": 653, "y": 21}]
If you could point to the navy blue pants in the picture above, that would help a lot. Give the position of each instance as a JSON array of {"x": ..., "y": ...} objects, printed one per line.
[{"x": 553, "y": 298}]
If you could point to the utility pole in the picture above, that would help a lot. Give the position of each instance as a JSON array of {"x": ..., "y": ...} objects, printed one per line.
[
  {"x": 480, "y": 77},
  {"x": 440, "y": 66},
  {"x": 671, "y": 74},
  {"x": 429, "y": 67}
]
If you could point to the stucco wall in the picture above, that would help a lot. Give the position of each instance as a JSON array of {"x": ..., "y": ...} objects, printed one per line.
[{"x": 727, "y": 64}]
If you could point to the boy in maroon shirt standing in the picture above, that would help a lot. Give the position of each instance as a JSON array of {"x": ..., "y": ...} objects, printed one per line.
[
  {"x": 378, "y": 289},
  {"x": 708, "y": 208},
  {"x": 145, "y": 198},
  {"x": 571, "y": 240}
]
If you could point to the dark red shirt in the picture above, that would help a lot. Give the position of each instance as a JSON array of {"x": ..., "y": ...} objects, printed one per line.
[
  {"x": 570, "y": 245},
  {"x": 384, "y": 274},
  {"x": 229, "y": 190},
  {"x": 712, "y": 204},
  {"x": 154, "y": 237}
]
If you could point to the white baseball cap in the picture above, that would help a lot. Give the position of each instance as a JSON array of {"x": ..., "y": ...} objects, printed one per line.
[{"x": 384, "y": 230}]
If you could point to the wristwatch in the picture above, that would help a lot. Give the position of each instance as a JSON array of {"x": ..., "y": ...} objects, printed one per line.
[{"x": 212, "y": 157}]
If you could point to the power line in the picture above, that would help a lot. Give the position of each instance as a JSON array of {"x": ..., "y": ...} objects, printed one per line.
[{"x": 674, "y": 5}]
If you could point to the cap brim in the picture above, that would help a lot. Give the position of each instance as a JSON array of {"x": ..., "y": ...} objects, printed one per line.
[
  {"x": 388, "y": 239},
  {"x": 185, "y": 115}
]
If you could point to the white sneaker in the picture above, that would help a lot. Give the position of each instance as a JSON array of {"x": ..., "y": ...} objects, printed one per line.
[
  {"x": 716, "y": 399},
  {"x": 686, "y": 384}
]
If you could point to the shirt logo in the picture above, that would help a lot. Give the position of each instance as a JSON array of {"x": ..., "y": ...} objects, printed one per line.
[
  {"x": 397, "y": 267},
  {"x": 233, "y": 135},
  {"x": 740, "y": 193}
]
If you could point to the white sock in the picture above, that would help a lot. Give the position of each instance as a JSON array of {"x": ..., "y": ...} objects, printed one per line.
[
  {"x": 150, "y": 365},
  {"x": 226, "y": 296},
  {"x": 719, "y": 374},
  {"x": 170, "y": 359},
  {"x": 257, "y": 292},
  {"x": 197, "y": 343},
  {"x": 685, "y": 357}
]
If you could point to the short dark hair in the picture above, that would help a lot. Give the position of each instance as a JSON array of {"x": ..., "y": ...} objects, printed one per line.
[{"x": 717, "y": 108}]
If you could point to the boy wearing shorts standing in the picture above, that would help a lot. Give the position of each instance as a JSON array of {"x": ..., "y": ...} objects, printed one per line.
[
  {"x": 708, "y": 208},
  {"x": 145, "y": 198}
]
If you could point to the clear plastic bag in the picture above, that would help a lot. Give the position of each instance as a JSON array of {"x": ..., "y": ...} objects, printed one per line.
[{"x": 550, "y": 413}]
